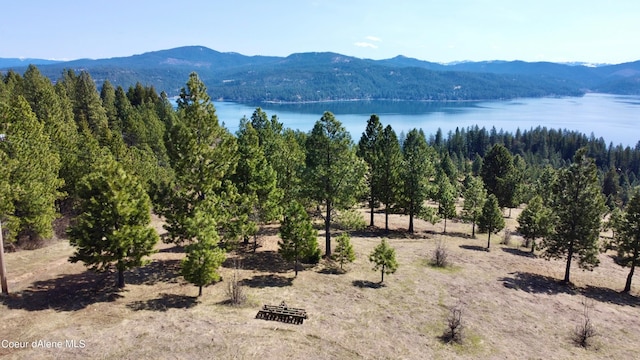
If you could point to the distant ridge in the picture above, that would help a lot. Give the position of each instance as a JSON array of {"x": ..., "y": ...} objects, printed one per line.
[{"x": 327, "y": 76}]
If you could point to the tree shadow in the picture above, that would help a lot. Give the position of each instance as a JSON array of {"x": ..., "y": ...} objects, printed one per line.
[
  {"x": 175, "y": 249},
  {"x": 155, "y": 272},
  {"x": 164, "y": 303},
  {"x": 367, "y": 284},
  {"x": 473, "y": 247},
  {"x": 611, "y": 296},
  {"x": 68, "y": 292},
  {"x": 519, "y": 252},
  {"x": 374, "y": 231},
  {"x": 263, "y": 261},
  {"x": 537, "y": 284},
  {"x": 261, "y": 281},
  {"x": 455, "y": 234}
]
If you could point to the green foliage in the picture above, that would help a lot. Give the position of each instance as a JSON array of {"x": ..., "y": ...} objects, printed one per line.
[
  {"x": 497, "y": 174},
  {"x": 334, "y": 174},
  {"x": 32, "y": 173},
  {"x": 391, "y": 166},
  {"x": 491, "y": 220},
  {"x": 446, "y": 197},
  {"x": 370, "y": 150},
  {"x": 535, "y": 221},
  {"x": 628, "y": 239},
  {"x": 417, "y": 169},
  {"x": 200, "y": 267},
  {"x": 299, "y": 238},
  {"x": 578, "y": 207},
  {"x": 475, "y": 196},
  {"x": 113, "y": 225},
  {"x": 344, "y": 250},
  {"x": 202, "y": 154},
  {"x": 383, "y": 258},
  {"x": 350, "y": 220}
]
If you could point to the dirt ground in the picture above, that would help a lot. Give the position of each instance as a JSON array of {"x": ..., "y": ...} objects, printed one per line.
[{"x": 514, "y": 306}]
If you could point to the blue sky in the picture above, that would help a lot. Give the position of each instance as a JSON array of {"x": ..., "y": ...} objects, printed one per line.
[{"x": 442, "y": 31}]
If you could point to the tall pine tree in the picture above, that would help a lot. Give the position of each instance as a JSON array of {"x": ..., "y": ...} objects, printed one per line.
[
  {"x": 370, "y": 149},
  {"x": 578, "y": 206},
  {"x": 390, "y": 174},
  {"x": 417, "y": 169},
  {"x": 334, "y": 173}
]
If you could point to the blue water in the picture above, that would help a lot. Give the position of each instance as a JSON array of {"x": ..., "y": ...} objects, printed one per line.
[{"x": 614, "y": 118}]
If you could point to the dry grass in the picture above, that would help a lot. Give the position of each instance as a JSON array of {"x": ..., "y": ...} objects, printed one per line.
[{"x": 514, "y": 305}]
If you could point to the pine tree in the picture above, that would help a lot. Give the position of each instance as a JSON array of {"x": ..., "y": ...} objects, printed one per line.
[
  {"x": 334, "y": 174},
  {"x": 535, "y": 221},
  {"x": 497, "y": 170},
  {"x": 578, "y": 207},
  {"x": 491, "y": 220},
  {"x": 628, "y": 239},
  {"x": 391, "y": 166},
  {"x": 203, "y": 154},
  {"x": 256, "y": 180},
  {"x": 344, "y": 250},
  {"x": 299, "y": 238},
  {"x": 446, "y": 197},
  {"x": 384, "y": 259},
  {"x": 200, "y": 266},
  {"x": 33, "y": 174},
  {"x": 417, "y": 169},
  {"x": 369, "y": 149},
  {"x": 475, "y": 196},
  {"x": 113, "y": 226}
]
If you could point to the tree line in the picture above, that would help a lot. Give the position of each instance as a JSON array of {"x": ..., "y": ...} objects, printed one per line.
[{"x": 108, "y": 158}]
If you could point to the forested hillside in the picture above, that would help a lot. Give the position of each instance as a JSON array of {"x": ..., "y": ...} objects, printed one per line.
[
  {"x": 329, "y": 76},
  {"x": 67, "y": 147}
]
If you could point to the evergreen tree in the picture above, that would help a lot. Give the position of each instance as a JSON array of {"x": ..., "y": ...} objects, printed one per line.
[
  {"x": 203, "y": 154},
  {"x": 496, "y": 172},
  {"x": 476, "y": 166},
  {"x": 611, "y": 188},
  {"x": 334, "y": 173},
  {"x": 475, "y": 196},
  {"x": 578, "y": 206},
  {"x": 384, "y": 259},
  {"x": 88, "y": 110},
  {"x": 417, "y": 169},
  {"x": 200, "y": 266},
  {"x": 390, "y": 177},
  {"x": 369, "y": 149},
  {"x": 54, "y": 111},
  {"x": 290, "y": 166},
  {"x": 256, "y": 180},
  {"x": 113, "y": 226},
  {"x": 628, "y": 239},
  {"x": 299, "y": 238},
  {"x": 491, "y": 220},
  {"x": 535, "y": 221},
  {"x": 33, "y": 173},
  {"x": 344, "y": 250},
  {"x": 446, "y": 197}
]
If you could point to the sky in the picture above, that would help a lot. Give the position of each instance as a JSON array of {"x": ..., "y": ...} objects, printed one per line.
[{"x": 440, "y": 31}]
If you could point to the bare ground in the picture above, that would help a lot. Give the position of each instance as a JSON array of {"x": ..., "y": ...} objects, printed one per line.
[{"x": 514, "y": 306}]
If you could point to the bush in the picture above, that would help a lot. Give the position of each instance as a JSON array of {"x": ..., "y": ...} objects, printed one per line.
[
  {"x": 350, "y": 220},
  {"x": 506, "y": 237},
  {"x": 585, "y": 331},
  {"x": 235, "y": 290},
  {"x": 440, "y": 255},
  {"x": 453, "y": 332}
]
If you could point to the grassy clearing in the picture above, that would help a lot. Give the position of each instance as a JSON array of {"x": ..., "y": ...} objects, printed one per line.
[{"x": 514, "y": 306}]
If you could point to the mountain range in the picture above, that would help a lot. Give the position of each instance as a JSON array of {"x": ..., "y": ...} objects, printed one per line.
[{"x": 325, "y": 76}]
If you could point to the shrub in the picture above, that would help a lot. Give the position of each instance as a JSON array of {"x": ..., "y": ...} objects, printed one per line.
[
  {"x": 455, "y": 326},
  {"x": 440, "y": 255},
  {"x": 585, "y": 331}
]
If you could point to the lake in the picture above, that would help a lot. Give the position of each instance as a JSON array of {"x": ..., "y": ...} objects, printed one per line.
[{"x": 614, "y": 118}]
